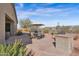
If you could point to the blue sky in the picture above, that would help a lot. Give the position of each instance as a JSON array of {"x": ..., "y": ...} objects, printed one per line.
[{"x": 49, "y": 13}]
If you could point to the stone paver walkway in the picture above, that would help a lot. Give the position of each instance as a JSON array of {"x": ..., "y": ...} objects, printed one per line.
[{"x": 44, "y": 47}]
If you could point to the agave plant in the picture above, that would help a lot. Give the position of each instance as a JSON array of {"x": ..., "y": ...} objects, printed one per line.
[{"x": 16, "y": 49}]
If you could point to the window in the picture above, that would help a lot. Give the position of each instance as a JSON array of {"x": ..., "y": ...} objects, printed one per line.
[{"x": 7, "y": 27}]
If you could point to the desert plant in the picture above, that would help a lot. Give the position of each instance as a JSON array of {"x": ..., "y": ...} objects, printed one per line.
[
  {"x": 16, "y": 49},
  {"x": 19, "y": 32},
  {"x": 46, "y": 30},
  {"x": 25, "y": 23}
]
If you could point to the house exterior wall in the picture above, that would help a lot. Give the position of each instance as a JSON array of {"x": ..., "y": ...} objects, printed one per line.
[
  {"x": 6, "y": 8},
  {"x": 2, "y": 26}
]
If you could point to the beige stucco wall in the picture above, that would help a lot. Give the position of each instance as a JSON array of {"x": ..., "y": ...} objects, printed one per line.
[
  {"x": 6, "y": 9},
  {"x": 2, "y": 26},
  {"x": 64, "y": 43}
]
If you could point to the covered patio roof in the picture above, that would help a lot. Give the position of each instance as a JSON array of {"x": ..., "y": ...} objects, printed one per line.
[{"x": 37, "y": 24}]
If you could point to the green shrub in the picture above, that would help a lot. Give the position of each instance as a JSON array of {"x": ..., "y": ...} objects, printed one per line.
[
  {"x": 16, "y": 49},
  {"x": 19, "y": 33}
]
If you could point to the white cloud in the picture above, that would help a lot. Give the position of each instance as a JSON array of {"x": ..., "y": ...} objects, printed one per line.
[
  {"x": 46, "y": 12},
  {"x": 21, "y": 5},
  {"x": 39, "y": 12}
]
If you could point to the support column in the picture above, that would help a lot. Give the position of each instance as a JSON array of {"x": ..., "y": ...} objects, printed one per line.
[{"x": 12, "y": 29}]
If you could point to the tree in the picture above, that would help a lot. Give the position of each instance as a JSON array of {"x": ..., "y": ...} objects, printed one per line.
[
  {"x": 46, "y": 30},
  {"x": 63, "y": 29},
  {"x": 25, "y": 23},
  {"x": 75, "y": 29}
]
